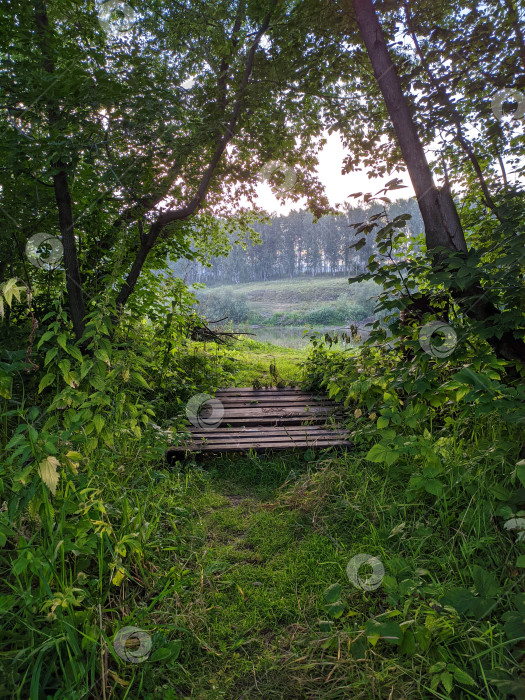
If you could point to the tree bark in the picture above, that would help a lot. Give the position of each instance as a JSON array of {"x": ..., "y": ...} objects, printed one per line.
[
  {"x": 77, "y": 310},
  {"x": 442, "y": 224},
  {"x": 440, "y": 217}
]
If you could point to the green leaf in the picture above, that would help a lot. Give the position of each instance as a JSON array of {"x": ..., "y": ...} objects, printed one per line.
[
  {"x": 6, "y": 384},
  {"x": 74, "y": 352},
  {"x": 408, "y": 643},
  {"x": 332, "y": 593},
  {"x": 463, "y": 677},
  {"x": 61, "y": 340},
  {"x": 460, "y": 599},
  {"x": 65, "y": 366},
  {"x": 437, "y": 667},
  {"x": 382, "y": 453},
  {"x": 50, "y": 354},
  {"x": 46, "y": 380},
  {"x": 391, "y": 632},
  {"x": 47, "y": 335},
  {"x": 486, "y": 584},
  {"x": 447, "y": 680},
  {"x": 140, "y": 379},
  {"x": 170, "y": 651},
  {"x": 99, "y": 422},
  {"x": 520, "y": 562},
  {"x": 433, "y": 486},
  {"x": 102, "y": 355},
  {"x": 335, "y": 609},
  {"x": 48, "y": 472}
]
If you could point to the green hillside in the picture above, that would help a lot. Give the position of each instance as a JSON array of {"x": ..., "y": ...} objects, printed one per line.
[{"x": 306, "y": 300}]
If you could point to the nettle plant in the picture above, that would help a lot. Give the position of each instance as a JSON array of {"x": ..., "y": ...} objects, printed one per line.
[
  {"x": 88, "y": 410},
  {"x": 413, "y": 399}
]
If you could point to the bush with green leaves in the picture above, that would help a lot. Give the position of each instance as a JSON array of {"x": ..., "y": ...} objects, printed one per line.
[
  {"x": 230, "y": 307},
  {"x": 84, "y": 426}
]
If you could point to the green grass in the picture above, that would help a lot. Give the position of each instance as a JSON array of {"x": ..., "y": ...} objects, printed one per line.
[
  {"x": 298, "y": 296},
  {"x": 245, "y": 549},
  {"x": 248, "y": 360},
  {"x": 236, "y": 568}
]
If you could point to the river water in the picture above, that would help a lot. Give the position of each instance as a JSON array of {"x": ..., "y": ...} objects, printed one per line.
[{"x": 291, "y": 336}]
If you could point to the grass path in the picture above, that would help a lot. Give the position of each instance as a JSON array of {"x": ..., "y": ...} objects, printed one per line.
[{"x": 262, "y": 556}]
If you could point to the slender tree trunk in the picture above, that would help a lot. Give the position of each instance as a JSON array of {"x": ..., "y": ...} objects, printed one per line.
[
  {"x": 73, "y": 281},
  {"x": 442, "y": 224},
  {"x": 61, "y": 187},
  {"x": 440, "y": 217}
]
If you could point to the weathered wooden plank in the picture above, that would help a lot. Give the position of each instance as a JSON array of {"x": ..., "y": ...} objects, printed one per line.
[
  {"x": 236, "y": 437},
  {"x": 268, "y": 419},
  {"x": 256, "y": 445},
  {"x": 263, "y": 411},
  {"x": 268, "y": 401},
  {"x": 278, "y": 429},
  {"x": 271, "y": 396},
  {"x": 249, "y": 390},
  {"x": 283, "y": 420}
]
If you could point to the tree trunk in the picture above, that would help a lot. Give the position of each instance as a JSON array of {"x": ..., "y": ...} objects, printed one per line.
[
  {"x": 442, "y": 224},
  {"x": 77, "y": 310},
  {"x": 61, "y": 186},
  {"x": 440, "y": 217}
]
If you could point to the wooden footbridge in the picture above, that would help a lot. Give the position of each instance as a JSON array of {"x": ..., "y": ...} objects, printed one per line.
[{"x": 264, "y": 420}]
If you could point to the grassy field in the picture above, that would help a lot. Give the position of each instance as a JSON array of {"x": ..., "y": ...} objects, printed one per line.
[{"x": 317, "y": 300}]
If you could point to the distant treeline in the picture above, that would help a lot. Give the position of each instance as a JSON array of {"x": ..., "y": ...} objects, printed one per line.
[{"x": 294, "y": 246}]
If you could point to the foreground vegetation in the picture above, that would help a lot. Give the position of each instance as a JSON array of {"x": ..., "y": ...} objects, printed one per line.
[
  {"x": 123, "y": 576},
  {"x": 235, "y": 569}
]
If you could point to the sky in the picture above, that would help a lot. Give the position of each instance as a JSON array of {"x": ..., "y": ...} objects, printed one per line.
[{"x": 338, "y": 186}]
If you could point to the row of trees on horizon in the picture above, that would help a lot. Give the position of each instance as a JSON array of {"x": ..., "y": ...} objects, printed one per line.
[{"x": 295, "y": 246}]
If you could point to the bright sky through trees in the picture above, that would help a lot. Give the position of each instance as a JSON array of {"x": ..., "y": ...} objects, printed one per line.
[{"x": 338, "y": 186}]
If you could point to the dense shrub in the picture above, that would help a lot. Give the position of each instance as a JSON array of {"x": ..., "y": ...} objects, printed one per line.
[{"x": 217, "y": 305}]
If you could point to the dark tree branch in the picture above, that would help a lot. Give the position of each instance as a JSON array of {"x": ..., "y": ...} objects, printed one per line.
[
  {"x": 192, "y": 207},
  {"x": 517, "y": 29},
  {"x": 61, "y": 186}
]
